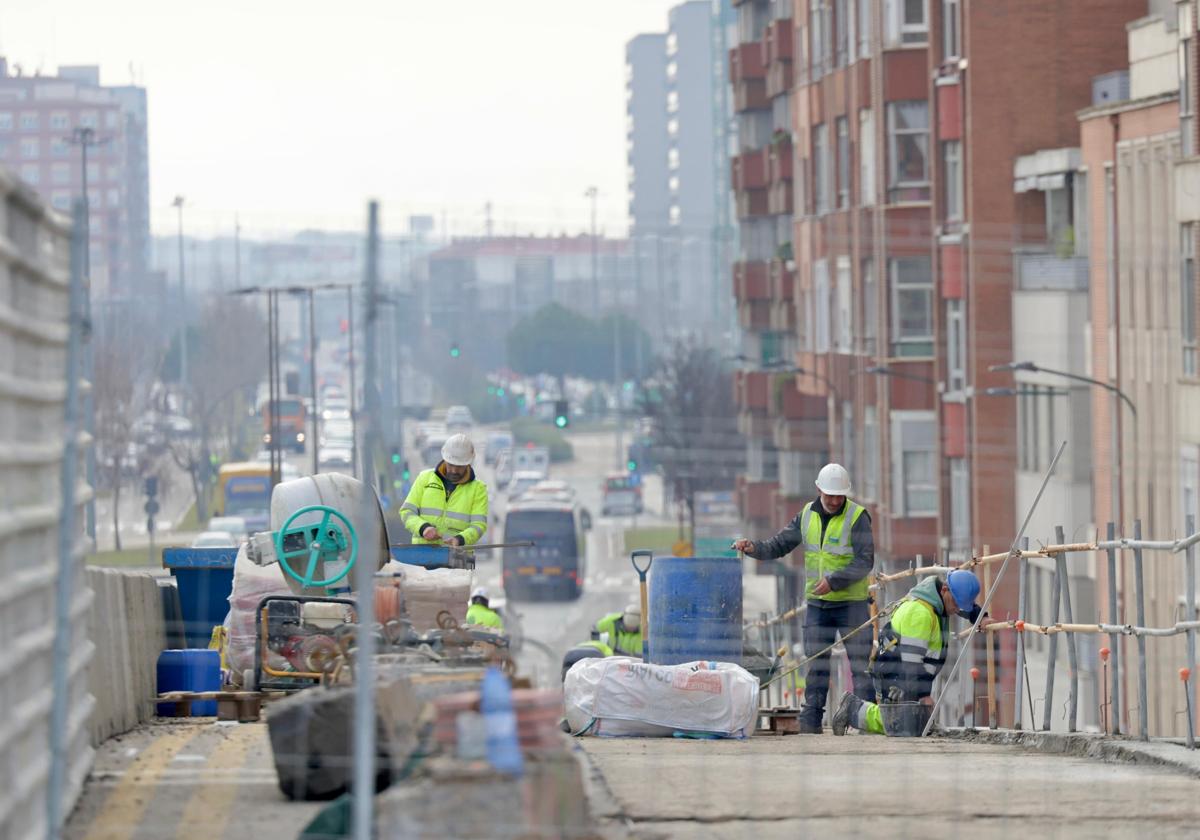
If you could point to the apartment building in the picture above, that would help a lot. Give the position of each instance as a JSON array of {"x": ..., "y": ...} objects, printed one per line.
[
  {"x": 909, "y": 237},
  {"x": 43, "y": 121}
]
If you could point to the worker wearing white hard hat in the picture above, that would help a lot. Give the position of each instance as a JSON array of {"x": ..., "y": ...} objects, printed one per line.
[
  {"x": 448, "y": 504},
  {"x": 480, "y": 611},
  {"x": 623, "y": 629},
  {"x": 838, "y": 554}
]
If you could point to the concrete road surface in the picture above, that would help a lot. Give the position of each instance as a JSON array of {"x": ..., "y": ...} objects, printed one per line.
[{"x": 864, "y": 786}]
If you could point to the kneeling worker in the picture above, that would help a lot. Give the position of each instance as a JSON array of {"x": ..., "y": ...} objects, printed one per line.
[
  {"x": 912, "y": 648},
  {"x": 481, "y": 613},
  {"x": 624, "y": 629},
  {"x": 591, "y": 649}
]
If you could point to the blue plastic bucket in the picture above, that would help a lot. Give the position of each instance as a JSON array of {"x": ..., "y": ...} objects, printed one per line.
[
  {"x": 695, "y": 608},
  {"x": 189, "y": 670},
  {"x": 205, "y": 578}
]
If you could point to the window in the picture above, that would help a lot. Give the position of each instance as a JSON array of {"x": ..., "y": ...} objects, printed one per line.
[
  {"x": 866, "y": 157},
  {"x": 29, "y": 122},
  {"x": 59, "y": 121},
  {"x": 89, "y": 119},
  {"x": 1187, "y": 287},
  {"x": 841, "y": 32},
  {"x": 1187, "y": 92},
  {"x": 870, "y": 468},
  {"x": 914, "y": 463},
  {"x": 950, "y": 37},
  {"x": 30, "y": 148},
  {"x": 61, "y": 201},
  {"x": 94, "y": 174},
  {"x": 30, "y": 175},
  {"x": 672, "y": 127},
  {"x": 908, "y": 150},
  {"x": 821, "y": 188},
  {"x": 60, "y": 173},
  {"x": 905, "y": 22},
  {"x": 912, "y": 306},
  {"x": 821, "y": 306},
  {"x": 845, "y": 313},
  {"x": 956, "y": 347},
  {"x": 864, "y": 28},
  {"x": 59, "y": 147},
  {"x": 1036, "y": 432},
  {"x": 672, "y": 70},
  {"x": 843, "y": 162},
  {"x": 114, "y": 198},
  {"x": 960, "y": 507},
  {"x": 6, "y": 121},
  {"x": 672, "y": 102},
  {"x": 870, "y": 307},
  {"x": 672, "y": 44},
  {"x": 849, "y": 453},
  {"x": 1189, "y": 487},
  {"x": 5, "y": 145},
  {"x": 952, "y": 192},
  {"x": 673, "y": 158},
  {"x": 110, "y": 119},
  {"x": 818, "y": 15}
]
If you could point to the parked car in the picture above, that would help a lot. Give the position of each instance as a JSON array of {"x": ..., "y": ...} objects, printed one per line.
[
  {"x": 235, "y": 525},
  {"x": 215, "y": 539},
  {"x": 336, "y": 458},
  {"x": 504, "y": 469}
]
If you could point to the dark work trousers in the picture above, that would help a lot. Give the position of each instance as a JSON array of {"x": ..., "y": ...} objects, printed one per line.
[{"x": 823, "y": 621}]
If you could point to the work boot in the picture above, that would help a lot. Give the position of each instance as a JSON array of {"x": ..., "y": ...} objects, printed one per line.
[
  {"x": 805, "y": 727},
  {"x": 847, "y": 711}
]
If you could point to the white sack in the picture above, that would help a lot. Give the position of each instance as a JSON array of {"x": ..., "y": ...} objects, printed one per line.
[
  {"x": 619, "y": 695},
  {"x": 426, "y": 592}
]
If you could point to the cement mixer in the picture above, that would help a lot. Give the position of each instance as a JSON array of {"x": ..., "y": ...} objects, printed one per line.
[{"x": 316, "y": 523}]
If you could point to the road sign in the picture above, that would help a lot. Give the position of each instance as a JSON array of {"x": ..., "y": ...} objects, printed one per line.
[{"x": 151, "y": 507}]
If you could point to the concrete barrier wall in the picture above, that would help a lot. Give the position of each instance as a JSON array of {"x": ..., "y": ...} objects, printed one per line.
[
  {"x": 34, "y": 284},
  {"x": 127, "y": 628}
]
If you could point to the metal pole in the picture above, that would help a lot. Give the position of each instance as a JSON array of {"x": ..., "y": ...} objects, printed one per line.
[
  {"x": 312, "y": 378},
  {"x": 1055, "y": 604},
  {"x": 364, "y": 663},
  {"x": 617, "y": 389},
  {"x": 1190, "y": 594},
  {"x": 353, "y": 384},
  {"x": 66, "y": 537},
  {"x": 1060, "y": 570},
  {"x": 1143, "y": 711},
  {"x": 591, "y": 193},
  {"x": 276, "y": 427},
  {"x": 85, "y": 137},
  {"x": 183, "y": 344},
  {"x": 271, "y": 395},
  {"x": 1022, "y": 602},
  {"x": 1114, "y": 711}
]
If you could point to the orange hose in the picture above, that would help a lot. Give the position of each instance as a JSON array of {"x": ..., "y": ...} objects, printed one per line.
[{"x": 387, "y": 602}]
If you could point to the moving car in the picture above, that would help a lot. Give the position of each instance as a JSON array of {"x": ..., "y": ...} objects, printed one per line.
[
  {"x": 522, "y": 480},
  {"x": 235, "y": 525},
  {"x": 622, "y": 494}
]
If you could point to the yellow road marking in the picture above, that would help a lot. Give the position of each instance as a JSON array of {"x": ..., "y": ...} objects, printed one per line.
[
  {"x": 208, "y": 810},
  {"x": 123, "y": 810}
]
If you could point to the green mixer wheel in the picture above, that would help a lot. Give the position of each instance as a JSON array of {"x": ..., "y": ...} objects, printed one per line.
[{"x": 330, "y": 542}]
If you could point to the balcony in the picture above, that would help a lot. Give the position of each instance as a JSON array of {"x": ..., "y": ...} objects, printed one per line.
[
  {"x": 752, "y": 390},
  {"x": 800, "y": 421},
  {"x": 782, "y": 281},
  {"x": 749, "y": 170},
  {"x": 1048, "y": 272},
  {"x": 752, "y": 204},
  {"x": 751, "y": 281},
  {"x": 781, "y": 161},
  {"x": 778, "y": 54},
  {"x": 755, "y": 315},
  {"x": 750, "y": 95},
  {"x": 746, "y": 63},
  {"x": 780, "y": 198},
  {"x": 754, "y": 498}
]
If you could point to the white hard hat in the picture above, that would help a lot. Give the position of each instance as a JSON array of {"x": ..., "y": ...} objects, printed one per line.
[
  {"x": 480, "y": 592},
  {"x": 458, "y": 450},
  {"x": 833, "y": 480},
  {"x": 632, "y": 619}
]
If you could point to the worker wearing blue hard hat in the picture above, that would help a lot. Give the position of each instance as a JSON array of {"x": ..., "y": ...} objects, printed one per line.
[{"x": 912, "y": 648}]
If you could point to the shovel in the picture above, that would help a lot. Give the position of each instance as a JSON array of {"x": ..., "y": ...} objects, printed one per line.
[{"x": 649, "y": 555}]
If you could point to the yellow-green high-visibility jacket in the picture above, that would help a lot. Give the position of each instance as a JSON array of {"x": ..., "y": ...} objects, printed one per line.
[
  {"x": 624, "y": 642},
  {"x": 455, "y": 510},
  {"x": 488, "y": 617},
  {"x": 844, "y": 554},
  {"x": 913, "y": 644}
]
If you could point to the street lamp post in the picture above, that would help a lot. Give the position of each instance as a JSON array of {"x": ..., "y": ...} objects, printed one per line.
[
  {"x": 183, "y": 348},
  {"x": 592, "y": 193},
  {"x": 1032, "y": 367}
]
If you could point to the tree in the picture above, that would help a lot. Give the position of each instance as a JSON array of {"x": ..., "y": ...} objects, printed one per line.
[
  {"x": 693, "y": 418},
  {"x": 122, "y": 369},
  {"x": 561, "y": 342},
  {"x": 227, "y": 359}
]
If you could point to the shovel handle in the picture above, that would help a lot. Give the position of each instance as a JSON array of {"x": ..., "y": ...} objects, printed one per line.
[{"x": 642, "y": 552}]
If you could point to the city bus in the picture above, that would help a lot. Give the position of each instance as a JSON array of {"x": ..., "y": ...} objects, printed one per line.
[
  {"x": 244, "y": 489},
  {"x": 552, "y": 569}
]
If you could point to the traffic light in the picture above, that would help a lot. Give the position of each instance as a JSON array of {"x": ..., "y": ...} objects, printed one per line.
[
  {"x": 406, "y": 474},
  {"x": 454, "y": 351},
  {"x": 395, "y": 458},
  {"x": 631, "y": 465},
  {"x": 561, "y": 418}
]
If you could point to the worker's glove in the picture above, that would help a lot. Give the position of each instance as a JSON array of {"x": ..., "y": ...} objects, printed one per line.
[
  {"x": 895, "y": 694},
  {"x": 456, "y": 541}
]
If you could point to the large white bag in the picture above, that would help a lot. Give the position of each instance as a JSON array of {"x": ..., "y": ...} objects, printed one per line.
[
  {"x": 618, "y": 695},
  {"x": 251, "y": 584}
]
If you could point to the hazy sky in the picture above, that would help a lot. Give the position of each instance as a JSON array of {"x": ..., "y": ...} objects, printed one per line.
[{"x": 292, "y": 114}]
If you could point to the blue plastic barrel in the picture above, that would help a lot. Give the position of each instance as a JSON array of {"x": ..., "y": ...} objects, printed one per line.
[
  {"x": 189, "y": 670},
  {"x": 205, "y": 577},
  {"x": 695, "y": 608}
]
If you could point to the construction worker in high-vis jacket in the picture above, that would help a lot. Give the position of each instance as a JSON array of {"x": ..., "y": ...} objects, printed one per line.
[
  {"x": 912, "y": 648},
  {"x": 839, "y": 553},
  {"x": 447, "y": 505}
]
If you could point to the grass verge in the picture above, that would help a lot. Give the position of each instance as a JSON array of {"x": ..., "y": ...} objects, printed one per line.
[{"x": 658, "y": 538}]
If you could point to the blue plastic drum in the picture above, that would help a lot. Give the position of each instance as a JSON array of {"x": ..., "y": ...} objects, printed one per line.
[{"x": 695, "y": 608}]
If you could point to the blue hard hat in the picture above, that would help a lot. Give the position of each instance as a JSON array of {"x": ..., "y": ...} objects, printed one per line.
[{"x": 964, "y": 587}]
